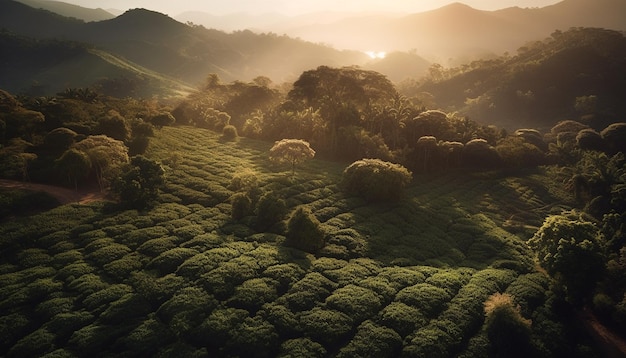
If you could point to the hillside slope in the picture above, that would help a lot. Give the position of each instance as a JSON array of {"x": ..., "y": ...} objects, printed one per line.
[
  {"x": 187, "y": 53},
  {"x": 44, "y": 67},
  {"x": 540, "y": 85},
  {"x": 70, "y": 10},
  {"x": 184, "y": 278}
]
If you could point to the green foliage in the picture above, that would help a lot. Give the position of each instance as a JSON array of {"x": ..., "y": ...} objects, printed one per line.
[
  {"x": 430, "y": 300},
  {"x": 570, "y": 249},
  {"x": 270, "y": 210},
  {"x": 304, "y": 231},
  {"x": 291, "y": 151},
  {"x": 376, "y": 180},
  {"x": 358, "y": 302},
  {"x": 253, "y": 293},
  {"x": 302, "y": 347},
  {"x": 372, "y": 340},
  {"x": 230, "y": 132},
  {"x": 241, "y": 206},
  {"x": 18, "y": 202},
  {"x": 326, "y": 326},
  {"x": 139, "y": 183},
  {"x": 508, "y": 331}
]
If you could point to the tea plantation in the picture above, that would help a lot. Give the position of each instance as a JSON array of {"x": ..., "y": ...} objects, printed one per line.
[{"x": 188, "y": 279}]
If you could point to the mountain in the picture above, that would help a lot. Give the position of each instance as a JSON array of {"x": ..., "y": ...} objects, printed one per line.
[
  {"x": 542, "y": 84},
  {"x": 187, "y": 53},
  {"x": 70, "y": 10},
  {"x": 457, "y": 30},
  {"x": 44, "y": 67}
]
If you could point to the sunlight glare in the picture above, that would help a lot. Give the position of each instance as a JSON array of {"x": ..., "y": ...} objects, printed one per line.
[{"x": 376, "y": 54}]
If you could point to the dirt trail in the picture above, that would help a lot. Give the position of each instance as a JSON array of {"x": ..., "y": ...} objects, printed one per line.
[
  {"x": 613, "y": 345},
  {"x": 63, "y": 195}
]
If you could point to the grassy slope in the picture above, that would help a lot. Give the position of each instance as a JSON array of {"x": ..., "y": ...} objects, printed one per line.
[{"x": 184, "y": 277}]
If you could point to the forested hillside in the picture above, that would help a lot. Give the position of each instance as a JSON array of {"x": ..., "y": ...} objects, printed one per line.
[
  {"x": 575, "y": 74},
  {"x": 184, "y": 52}
]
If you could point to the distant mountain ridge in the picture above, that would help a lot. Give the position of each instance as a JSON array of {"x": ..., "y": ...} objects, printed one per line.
[
  {"x": 70, "y": 10},
  {"x": 455, "y": 30},
  {"x": 186, "y": 53}
]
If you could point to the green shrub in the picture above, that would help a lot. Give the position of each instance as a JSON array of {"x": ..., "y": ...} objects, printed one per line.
[
  {"x": 429, "y": 299},
  {"x": 508, "y": 332},
  {"x": 169, "y": 261},
  {"x": 312, "y": 288},
  {"x": 74, "y": 270},
  {"x": 108, "y": 253},
  {"x": 219, "y": 326},
  {"x": 12, "y": 327},
  {"x": 302, "y": 348},
  {"x": 123, "y": 267},
  {"x": 326, "y": 326},
  {"x": 375, "y": 180},
  {"x": 241, "y": 206},
  {"x": 87, "y": 284},
  {"x": 284, "y": 321},
  {"x": 303, "y": 231},
  {"x": 157, "y": 246},
  {"x": 430, "y": 341},
  {"x": 129, "y": 307},
  {"x": 146, "y": 338},
  {"x": 222, "y": 280},
  {"x": 402, "y": 318},
  {"x": 401, "y": 277},
  {"x": 67, "y": 257},
  {"x": 106, "y": 296},
  {"x": 229, "y": 132},
  {"x": 357, "y": 302},
  {"x": 65, "y": 324},
  {"x": 253, "y": 293},
  {"x": 254, "y": 337},
  {"x": 55, "y": 306},
  {"x": 33, "y": 257},
  {"x": 372, "y": 340},
  {"x": 188, "y": 232},
  {"x": 186, "y": 309},
  {"x": 35, "y": 344},
  {"x": 285, "y": 274},
  {"x": 270, "y": 209}
]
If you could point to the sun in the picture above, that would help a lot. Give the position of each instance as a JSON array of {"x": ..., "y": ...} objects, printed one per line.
[{"x": 376, "y": 54}]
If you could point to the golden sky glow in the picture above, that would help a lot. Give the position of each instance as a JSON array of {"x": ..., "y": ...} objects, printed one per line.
[{"x": 294, "y": 7}]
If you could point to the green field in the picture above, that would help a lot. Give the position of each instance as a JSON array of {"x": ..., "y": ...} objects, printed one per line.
[{"x": 408, "y": 278}]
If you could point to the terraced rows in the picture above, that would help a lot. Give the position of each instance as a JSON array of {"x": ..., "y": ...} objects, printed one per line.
[{"x": 407, "y": 278}]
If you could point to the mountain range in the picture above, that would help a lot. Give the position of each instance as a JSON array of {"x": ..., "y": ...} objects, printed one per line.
[{"x": 186, "y": 51}]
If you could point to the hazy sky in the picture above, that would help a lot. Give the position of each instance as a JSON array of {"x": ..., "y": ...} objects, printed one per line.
[{"x": 293, "y": 7}]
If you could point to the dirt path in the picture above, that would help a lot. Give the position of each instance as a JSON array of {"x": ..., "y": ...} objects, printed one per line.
[
  {"x": 63, "y": 195},
  {"x": 613, "y": 345}
]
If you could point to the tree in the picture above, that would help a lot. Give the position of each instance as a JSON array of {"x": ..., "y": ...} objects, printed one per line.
[
  {"x": 60, "y": 139},
  {"x": 292, "y": 151},
  {"x": 571, "y": 250},
  {"x": 106, "y": 154},
  {"x": 270, "y": 210},
  {"x": 375, "y": 179},
  {"x": 140, "y": 181},
  {"x": 163, "y": 119},
  {"x": 114, "y": 126},
  {"x": 75, "y": 164},
  {"x": 303, "y": 231},
  {"x": 508, "y": 332}
]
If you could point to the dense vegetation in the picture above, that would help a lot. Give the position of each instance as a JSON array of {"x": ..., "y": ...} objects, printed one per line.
[
  {"x": 574, "y": 74},
  {"x": 412, "y": 232}
]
